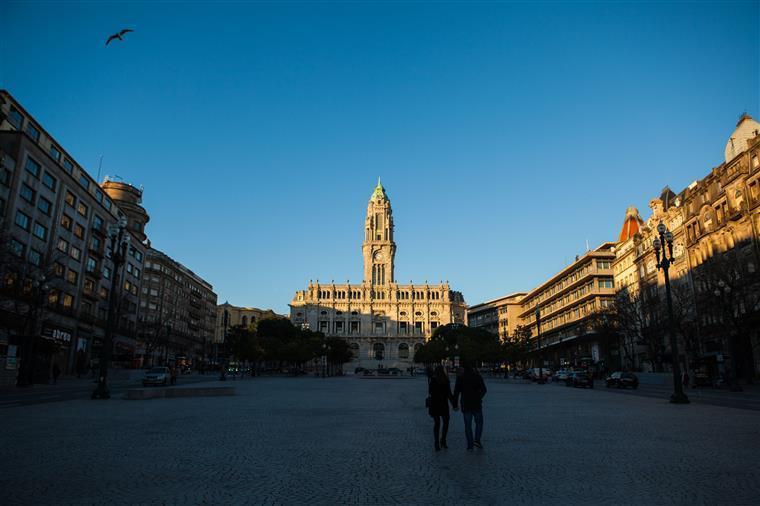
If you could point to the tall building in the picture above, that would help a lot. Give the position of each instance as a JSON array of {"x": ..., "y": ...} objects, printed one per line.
[
  {"x": 56, "y": 272},
  {"x": 177, "y": 312},
  {"x": 714, "y": 218},
  {"x": 382, "y": 320}
]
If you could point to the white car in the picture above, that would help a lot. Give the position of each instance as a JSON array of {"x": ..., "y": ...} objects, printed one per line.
[{"x": 157, "y": 376}]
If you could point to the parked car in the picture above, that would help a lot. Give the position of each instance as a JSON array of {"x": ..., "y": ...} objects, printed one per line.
[
  {"x": 561, "y": 375},
  {"x": 369, "y": 372},
  {"x": 383, "y": 372},
  {"x": 533, "y": 374},
  {"x": 157, "y": 376},
  {"x": 395, "y": 371},
  {"x": 359, "y": 369},
  {"x": 621, "y": 379},
  {"x": 580, "y": 379}
]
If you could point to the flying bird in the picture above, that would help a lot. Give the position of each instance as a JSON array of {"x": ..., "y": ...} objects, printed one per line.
[{"x": 118, "y": 35}]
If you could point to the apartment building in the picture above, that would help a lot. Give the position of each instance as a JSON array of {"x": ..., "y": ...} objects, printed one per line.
[
  {"x": 177, "y": 312},
  {"x": 56, "y": 271}
]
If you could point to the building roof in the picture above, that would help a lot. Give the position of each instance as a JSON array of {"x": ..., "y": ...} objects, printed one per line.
[
  {"x": 632, "y": 224},
  {"x": 379, "y": 192},
  {"x": 747, "y": 128}
]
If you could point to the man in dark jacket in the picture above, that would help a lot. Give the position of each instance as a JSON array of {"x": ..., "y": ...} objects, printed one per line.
[{"x": 471, "y": 387}]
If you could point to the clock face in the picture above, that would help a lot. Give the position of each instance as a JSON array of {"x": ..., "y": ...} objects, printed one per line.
[{"x": 378, "y": 256}]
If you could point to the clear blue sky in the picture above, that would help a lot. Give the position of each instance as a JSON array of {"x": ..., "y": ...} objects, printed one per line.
[{"x": 506, "y": 134}]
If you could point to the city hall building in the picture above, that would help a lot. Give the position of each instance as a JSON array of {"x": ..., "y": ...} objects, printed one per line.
[{"x": 383, "y": 321}]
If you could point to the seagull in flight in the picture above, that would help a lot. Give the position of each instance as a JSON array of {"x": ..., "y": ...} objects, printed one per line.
[{"x": 118, "y": 35}]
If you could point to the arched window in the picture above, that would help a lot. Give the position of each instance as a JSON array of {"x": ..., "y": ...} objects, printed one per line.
[
  {"x": 403, "y": 350},
  {"x": 245, "y": 321},
  {"x": 379, "y": 351}
]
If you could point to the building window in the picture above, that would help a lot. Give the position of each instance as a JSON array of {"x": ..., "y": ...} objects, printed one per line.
[
  {"x": 379, "y": 328},
  {"x": 70, "y": 199},
  {"x": 103, "y": 292},
  {"x": 49, "y": 180},
  {"x": 92, "y": 264},
  {"x": 79, "y": 230},
  {"x": 403, "y": 328},
  {"x": 40, "y": 231},
  {"x": 106, "y": 272},
  {"x": 403, "y": 350},
  {"x": 84, "y": 181},
  {"x": 418, "y": 327},
  {"x": 75, "y": 253},
  {"x": 17, "y": 248},
  {"x": 107, "y": 203},
  {"x": 99, "y": 196},
  {"x": 32, "y": 130},
  {"x": 15, "y": 118},
  {"x": 66, "y": 221},
  {"x": 68, "y": 165},
  {"x": 55, "y": 153},
  {"x": 72, "y": 276},
  {"x": 433, "y": 325},
  {"x": 5, "y": 177},
  {"x": 63, "y": 245},
  {"x": 82, "y": 209},
  {"x": 339, "y": 327},
  {"x": 97, "y": 223},
  {"x": 95, "y": 244},
  {"x": 68, "y": 301},
  {"x": 379, "y": 351},
  {"x": 44, "y": 205},
  {"x": 22, "y": 220},
  {"x": 35, "y": 257},
  {"x": 355, "y": 327},
  {"x": 32, "y": 167},
  {"x": 27, "y": 193},
  {"x": 606, "y": 283}
]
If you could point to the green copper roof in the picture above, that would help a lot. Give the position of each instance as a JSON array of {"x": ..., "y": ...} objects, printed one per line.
[{"x": 379, "y": 192}]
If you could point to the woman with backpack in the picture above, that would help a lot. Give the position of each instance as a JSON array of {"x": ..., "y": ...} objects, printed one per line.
[{"x": 439, "y": 396}]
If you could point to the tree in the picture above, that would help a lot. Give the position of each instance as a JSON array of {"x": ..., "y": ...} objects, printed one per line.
[
  {"x": 517, "y": 347},
  {"x": 27, "y": 290}
]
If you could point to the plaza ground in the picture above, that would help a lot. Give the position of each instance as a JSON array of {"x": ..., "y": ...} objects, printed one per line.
[{"x": 351, "y": 440}]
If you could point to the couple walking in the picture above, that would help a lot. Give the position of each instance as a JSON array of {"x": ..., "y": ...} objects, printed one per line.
[{"x": 471, "y": 388}]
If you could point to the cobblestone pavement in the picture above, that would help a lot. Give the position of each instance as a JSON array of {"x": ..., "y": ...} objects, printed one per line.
[{"x": 355, "y": 441}]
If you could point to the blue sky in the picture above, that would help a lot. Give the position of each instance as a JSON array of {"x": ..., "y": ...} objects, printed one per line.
[{"x": 506, "y": 134}]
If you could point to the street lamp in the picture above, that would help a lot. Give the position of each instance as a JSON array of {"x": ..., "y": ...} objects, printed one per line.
[
  {"x": 724, "y": 291},
  {"x": 540, "y": 352},
  {"x": 664, "y": 262},
  {"x": 118, "y": 242}
]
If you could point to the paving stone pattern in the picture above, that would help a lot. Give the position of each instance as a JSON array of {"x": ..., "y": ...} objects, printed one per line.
[{"x": 354, "y": 441}]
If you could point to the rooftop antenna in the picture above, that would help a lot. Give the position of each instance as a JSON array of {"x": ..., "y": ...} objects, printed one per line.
[
  {"x": 100, "y": 164},
  {"x": 587, "y": 248}
]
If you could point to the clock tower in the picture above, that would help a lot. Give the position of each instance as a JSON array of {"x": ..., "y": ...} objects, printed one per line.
[{"x": 378, "y": 248}]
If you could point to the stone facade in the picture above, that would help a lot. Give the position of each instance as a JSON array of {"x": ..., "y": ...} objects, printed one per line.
[
  {"x": 715, "y": 217},
  {"x": 245, "y": 316},
  {"x": 382, "y": 320},
  {"x": 498, "y": 316}
]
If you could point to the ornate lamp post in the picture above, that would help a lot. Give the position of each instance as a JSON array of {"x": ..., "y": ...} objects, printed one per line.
[
  {"x": 663, "y": 262},
  {"x": 723, "y": 292},
  {"x": 540, "y": 351},
  {"x": 118, "y": 244}
]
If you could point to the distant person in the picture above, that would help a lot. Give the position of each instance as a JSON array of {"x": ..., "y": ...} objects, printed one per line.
[
  {"x": 439, "y": 392},
  {"x": 173, "y": 375},
  {"x": 685, "y": 379},
  {"x": 471, "y": 387}
]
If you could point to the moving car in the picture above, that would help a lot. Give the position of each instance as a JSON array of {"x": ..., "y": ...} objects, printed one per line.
[
  {"x": 157, "y": 376},
  {"x": 580, "y": 379},
  {"x": 622, "y": 380}
]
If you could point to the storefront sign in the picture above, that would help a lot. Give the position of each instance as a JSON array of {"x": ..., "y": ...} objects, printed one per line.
[{"x": 60, "y": 335}]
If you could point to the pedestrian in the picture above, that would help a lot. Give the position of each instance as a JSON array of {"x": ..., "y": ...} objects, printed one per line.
[
  {"x": 685, "y": 378},
  {"x": 173, "y": 374},
  {"x": 439, "y": 396},
  {"x": 471, "y": 387},
  {"x": 56, "y": 372}
]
